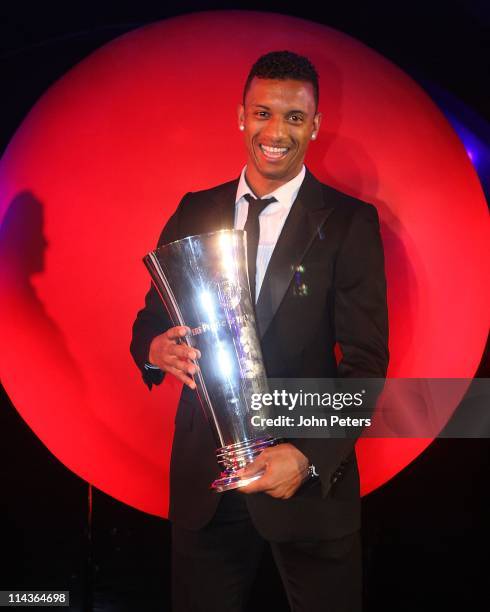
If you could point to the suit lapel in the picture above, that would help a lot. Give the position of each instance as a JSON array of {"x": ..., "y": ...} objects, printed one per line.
[
  {"x": 225, "y": 205},
  {"x": 303, "y": 224}
]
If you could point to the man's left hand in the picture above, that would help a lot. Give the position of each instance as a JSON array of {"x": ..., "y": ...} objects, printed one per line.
[{"x": 285, "y": 469}]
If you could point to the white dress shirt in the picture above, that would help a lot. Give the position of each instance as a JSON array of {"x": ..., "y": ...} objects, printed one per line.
[{"x": 271, "y": 219}]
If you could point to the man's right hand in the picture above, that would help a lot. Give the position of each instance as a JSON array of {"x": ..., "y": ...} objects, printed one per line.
[{"x": 170, "y": 356}]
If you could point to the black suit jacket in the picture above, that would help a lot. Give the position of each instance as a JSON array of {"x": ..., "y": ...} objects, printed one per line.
[{"x": 336, "y": 240}]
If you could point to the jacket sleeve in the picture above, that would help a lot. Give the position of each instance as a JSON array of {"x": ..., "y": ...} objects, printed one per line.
[
  {"x": 361, "y": 330},
  {"x": 153, "y": 319}
]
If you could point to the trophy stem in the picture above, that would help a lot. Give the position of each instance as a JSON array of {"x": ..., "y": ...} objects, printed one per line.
[{"x": 236, "y": 456}]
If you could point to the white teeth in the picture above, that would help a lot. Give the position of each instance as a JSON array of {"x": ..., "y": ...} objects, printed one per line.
[{"x": 274, "y": 151}]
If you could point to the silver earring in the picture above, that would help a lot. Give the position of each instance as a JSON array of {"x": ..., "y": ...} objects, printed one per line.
[
  {"x": 313, "y": 136},
  {"x": 242, "y": 127}
]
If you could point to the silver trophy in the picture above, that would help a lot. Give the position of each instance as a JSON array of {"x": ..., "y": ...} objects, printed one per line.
[{"x": 203, "y": 282}]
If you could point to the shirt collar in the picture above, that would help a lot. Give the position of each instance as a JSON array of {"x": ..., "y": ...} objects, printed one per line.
[{"x": 285, "y": 194}]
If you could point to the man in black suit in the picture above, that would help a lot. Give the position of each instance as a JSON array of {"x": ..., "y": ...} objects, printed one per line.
[{"x": 318, "y": 280}]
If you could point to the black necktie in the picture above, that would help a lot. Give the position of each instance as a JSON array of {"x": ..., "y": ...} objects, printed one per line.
[{"x": 252, "y": 227}]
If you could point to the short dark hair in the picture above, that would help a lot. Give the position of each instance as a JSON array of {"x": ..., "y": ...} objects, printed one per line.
[{"x": 284, "y": 65}]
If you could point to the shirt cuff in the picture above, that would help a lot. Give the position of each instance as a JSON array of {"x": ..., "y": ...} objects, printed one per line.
[{"x": 152, "y": 374}]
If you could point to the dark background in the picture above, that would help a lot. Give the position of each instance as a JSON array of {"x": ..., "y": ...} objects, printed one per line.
[{"x": 424, "y": 532}]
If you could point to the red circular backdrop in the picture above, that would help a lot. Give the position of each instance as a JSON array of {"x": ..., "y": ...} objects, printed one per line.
[{"x": 102, "y": 160}]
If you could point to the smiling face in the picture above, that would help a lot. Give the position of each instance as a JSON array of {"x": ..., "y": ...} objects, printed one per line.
[{"x": 279, "y": 119}]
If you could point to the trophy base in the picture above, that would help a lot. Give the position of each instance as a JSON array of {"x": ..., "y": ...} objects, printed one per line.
[
  {"x": 236, "y": 456},
  {"x": 227, "y": 482}
]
